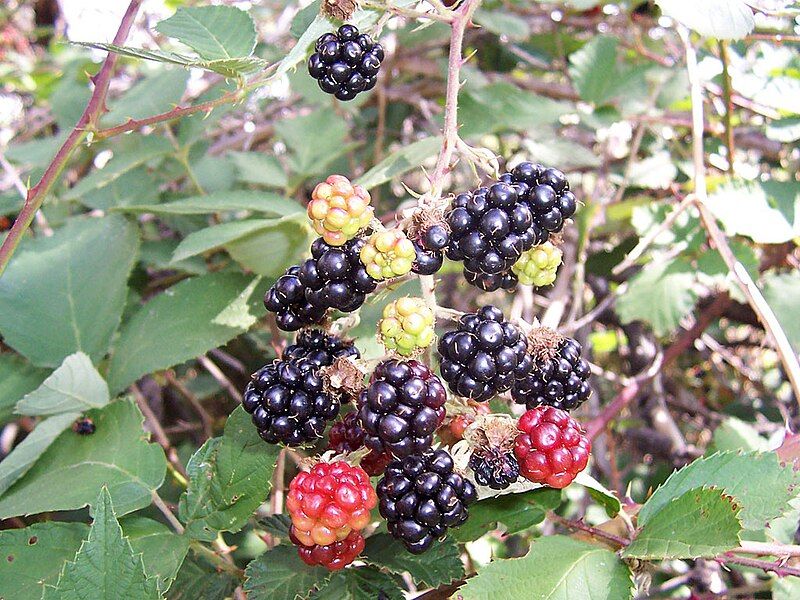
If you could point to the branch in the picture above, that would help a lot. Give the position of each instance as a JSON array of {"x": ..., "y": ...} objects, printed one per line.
[
  {"x": 777, "y": 567},
  {"x": 87, "y": 122}
]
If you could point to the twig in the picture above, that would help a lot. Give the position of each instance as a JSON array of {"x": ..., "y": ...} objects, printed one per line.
[
  {"x": 221, "y": 378},
  {"x": 727, "y": 92},
  {"x": 205, "y": 418},
  {"x": 767, "y": 549},
  {"x": 593, "y": 531},
  {"x": 774, "y": 567},
  {"x": 96, "y": 106},
  {"x": 168, "y": 514},
  {"x": 158, "y": 432},
  {"x": 222, "y": 562}
]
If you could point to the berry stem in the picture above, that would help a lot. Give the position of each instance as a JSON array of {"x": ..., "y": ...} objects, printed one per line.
[{"x": 593, "y": 531}]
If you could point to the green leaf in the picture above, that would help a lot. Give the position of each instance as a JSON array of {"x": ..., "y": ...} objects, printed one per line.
[
  {"x": 440, "y": 565},
  {"x": 138, "y": 151},
  {"x": 234, "y": 200},
  {"x": 17, "y": 378},
  {"x": 661, "y": 294},
  {"x": 502, "y": 23},
  {"x": 160, "y": 56},
  {"x": 734, "y": 434},
  {"x": 756, "y": 479},
  {"x": 279, "y": 574},
  {"x": 767, "y": 212},
  {"x": 33, "y": 556},
  {"x": 229, "y": 478},
  {"x": 162, "y": 550},
  {"x": 198, "y": 578},
  {"x": 68, "y": 289},
  {"x": 105, "y": 566},
  {"x": 782, "y": 291},
  {"x": 516, "y": 511},
  {"x": 237, "y": 314},
  {"x": 702, "y": 522},
  {"x": 599, "y": 493},
  {"x": 276, "y": 525},
  {"x": 215, "y": 236},
  {"x": 556, "y": 567},
  {"x": 310, "y": 159},
  {"x": 68, "y": 475},
  {"x": 316, "y": 28},
  {"x": 214, "y": 32},
  {"x": 136, "y": 186},
  {"x": 592, "y": 69},
  {"x": 259, "y": 169},
  {"x": 364, "y": 583},
  {"x": 287, "y": 240},
  {"x": 74, "y": 387},
  {"x": 175, "y": 326},
  {"x": 407, "y": 158},
  {"x": 156, "y": 93},
  {"x": 786, "y": 588},
  {"x": 722, "y": 19},
  {"x": 26, "y": 453}
]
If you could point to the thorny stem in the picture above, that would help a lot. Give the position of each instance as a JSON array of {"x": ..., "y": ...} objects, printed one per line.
[
  {"x": 593, "y": 531},
  {"x": 727, "y": 92},
  {"x": 168, "y": 514}
]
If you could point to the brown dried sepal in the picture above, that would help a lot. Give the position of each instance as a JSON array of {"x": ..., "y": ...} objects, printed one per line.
[
  {"x": 339, "y": 9},
  {"x": 544, "y": 343},
  {"x": 425, "y": 218},
  {"x": 492, "y": 431},
  {"x": 344, "y": 379}
]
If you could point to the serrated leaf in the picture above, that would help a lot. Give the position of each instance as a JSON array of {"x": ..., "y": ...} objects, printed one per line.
[
  {"x": 17, "y": 378},
  {"x": 276, "y": 525},
  {"x": 502, "y": 23},
  {"x": 215, "y": 236},
  {"x": 408, "y": 157},
  {"x": 722, "y": 19},
  {"x": 136, "y": 186},
  {"x": 702, "y": 522},
  {"x": 259, "y": 169},
  {"x": 153, "y": 55},
  {"x": 786, "y": 588},
  {"x": 105, "y": 567},
  {"x": 755, "y": 479},
  {"x": 161, "y": 548},
  {"x": 310, "y": 159},
  {"x": 175, "y": 326},
  {"x": 556, "y": 567},
  {"x": 199, "y": 578},
  {"x": 229, "y": 478},
  {"x": 782, "y": 291},
  {"x": 440, "y": 565},
  {"x": 364, "y": 583},
  {"x": 26, "y": 453},
  {"x": 279, "y": 574},
  {"x": 267, "y": 203},
  {"x": 661, "y": 294},
  {"x": 214, "y": 32},
  {"x": 592, "y": 69},
  {"x": 237, "y": 314},
  {"x": 117, "y": 455},
  {"x": 599, "y": 493},
  {"x": 234, "y": 67},
  {"x": 32, "y": 557},
  {"x": 68, "y": 289},
  {"x": 74, "y": 387},
  {"x": 155, "y": 93},
  {"x": 516, "y": 511},
  {"x": 287, "y": 238},
  {"x": 734, "y": 434}
]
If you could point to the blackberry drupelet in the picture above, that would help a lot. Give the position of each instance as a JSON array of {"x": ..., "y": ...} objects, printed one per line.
[
  {"x": 484, "y": 355},
  {"x": 319, "y": 348},
  {"x": 490, "y": 283},
  {"x": 546, "y": 193},
  {"x": 347, "y": 435},
  {"x": 288, "y": 402},
  {"x": 346, "y": 63},
  {"x": 420, "y": 496},
  {"x": 287, "y": 299},
  {"x": 333, "y": 556},
  {"x": 426, "y": 262},
  {"x": 494, "y": 467},
  {"x": 559, "y": 379},
  {"x": 402, "y": 407}
]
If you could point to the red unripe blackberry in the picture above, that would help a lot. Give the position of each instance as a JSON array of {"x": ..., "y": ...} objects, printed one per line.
[
  {"x": 347, "y": 435},
  {"x": 402, "y": 407},
  {"x": 421, "y": 496},
  {"x": 346, "y": 62},
  {"x": 559, "y": 378},
  {"x": 484, "y": 355},
  {"x": 328, "y": 502},
  {"x": 333, "y": 556},
  {"x": 551, "y": 447}
]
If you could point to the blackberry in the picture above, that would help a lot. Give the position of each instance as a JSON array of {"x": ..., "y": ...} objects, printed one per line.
[
  {"x": 339, "y": 210},
  {"x": 288, "y": 402},
  {"x": 346, "y": 63},
  {"x": 494, "y": 467},
  {"x": 545, "y": 191},
  {"x": 347, "y": 435},
  {"x": 490, "y": 230},
  {"x": 420, "y": 496},
  {"x": 538, "y": 265},
  {"x": 491, "y": 283},
  {"x": 426, "y": 262},
  {"x": 435, "y": 237},
  {"x": 84, "y": 426},
  {"x": 484, "y": 355},
  {"x": 287, "y": 299},
  {"x": 559, "y": 377},
  {"x": 319, "y": 348},
  {"x": 402, "y": 407}
]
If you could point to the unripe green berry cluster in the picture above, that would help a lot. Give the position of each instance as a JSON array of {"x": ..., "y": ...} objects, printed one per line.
[
  {"x": 407, "y": 326},
  {"x": 538, "y": 265}
]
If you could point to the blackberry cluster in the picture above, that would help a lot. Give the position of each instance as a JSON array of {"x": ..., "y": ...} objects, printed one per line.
[
  {"x": 402, "y": 407},
  {"x": 484, "y": 356},
  {"x": 333, "y": 277},
  {"x": 346, "y": 62},
  {"x": 491, "y": 228},
  {"x": 429, "y": 250},
  {"x": 288, "y": 402},
  {"x": 561, "y": 381},
  {"x": 494, "y": 467},
  {"x": 420, "y": 496},
  {"x": 545, "y": 191},
  {"x": 319, "y": 348},
  {"x": 347, "y": 435}
]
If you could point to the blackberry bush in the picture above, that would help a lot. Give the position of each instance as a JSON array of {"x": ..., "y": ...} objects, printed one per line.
[
  {"x": 420, "y": 496},
  {"x": 402, "y": 407},
  {"x": 339, "y": 210},
  {"x": 484, "y": 355},
  {"x": 346, "y": 63},
  {"x": 407, "y": 326}
]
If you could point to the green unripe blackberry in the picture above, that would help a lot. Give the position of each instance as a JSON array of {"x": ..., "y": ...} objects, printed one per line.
[
  {"x": 538, "y": 265},
  {"x": 407, "y": 326}
]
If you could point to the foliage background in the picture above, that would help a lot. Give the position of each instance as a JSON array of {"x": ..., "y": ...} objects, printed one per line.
[{"x": 135, "y": 296}]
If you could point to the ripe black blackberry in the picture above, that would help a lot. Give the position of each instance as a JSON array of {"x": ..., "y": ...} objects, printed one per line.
[
  {"x": 287, "y": 299},
  {"x": 402, "y": 407},
  {"x": 559, "y": 376},
  {"x": 346, "y": 62},
  {"x": 319, "y": 348},
  {"x": 484, "y": 355},
  {"x": 546, "y": 192},
  {"x": 494, "y": 467},
  {"x": 288, "y": 402},
  {"x": 420, "y": 496},
  {"x": 84, "y": 426},
  {"x": 429, "y": 247},
  {"x": 490, "y": 283},
  {"x": 490, "y": 229}
]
